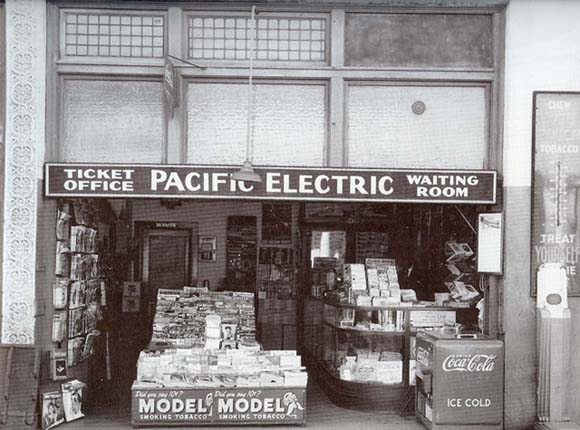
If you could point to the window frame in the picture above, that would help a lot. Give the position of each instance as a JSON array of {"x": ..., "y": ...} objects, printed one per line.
[{"x": 337, "y": 75}]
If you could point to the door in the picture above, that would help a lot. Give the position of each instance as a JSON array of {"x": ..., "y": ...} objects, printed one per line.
[{"x": 166, "y": 263}]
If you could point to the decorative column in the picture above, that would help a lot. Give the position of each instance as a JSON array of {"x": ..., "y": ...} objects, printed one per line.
[{"x": 25, "y": 141}]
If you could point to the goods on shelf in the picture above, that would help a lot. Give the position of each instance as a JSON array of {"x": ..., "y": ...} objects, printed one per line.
[
  {"x": 375, "y": 283},
  {"x": 384, "y": 368},
  {"x": 196, "y": 367},
  {"x": 180, "y": 317},
  {"x": 207, "y": 339},
  {"x": 79, "y": 286}
]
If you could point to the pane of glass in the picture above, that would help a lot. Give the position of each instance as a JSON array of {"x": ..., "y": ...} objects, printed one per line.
[
  {"x": 383, "y": 130},
  {"x": 112, "y": 121},
  {"x": 290, "y": 124}
]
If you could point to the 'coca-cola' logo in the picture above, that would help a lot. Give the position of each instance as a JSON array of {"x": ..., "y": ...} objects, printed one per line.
[{"x": 469, "y": 363}]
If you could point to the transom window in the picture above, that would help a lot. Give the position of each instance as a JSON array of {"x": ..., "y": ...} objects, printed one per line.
[
  {"x": 219, "y": 37},
  {"x": 96, "y": 34}
]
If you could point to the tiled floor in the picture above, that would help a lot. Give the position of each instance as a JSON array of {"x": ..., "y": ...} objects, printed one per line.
[{"x": 321, "y": 414}]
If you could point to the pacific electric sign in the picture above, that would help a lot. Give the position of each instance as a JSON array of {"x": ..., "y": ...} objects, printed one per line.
[{"x": 278, "y": 183}]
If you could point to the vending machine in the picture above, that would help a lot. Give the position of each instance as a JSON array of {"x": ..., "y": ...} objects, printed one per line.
[{"x": 459, "y": 381}]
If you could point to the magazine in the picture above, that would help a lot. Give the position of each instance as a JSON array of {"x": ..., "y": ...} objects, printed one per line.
[
  {"x": 72, "y": 399},
  {"x": 59, "y": 325},
  {"x": 52, "y": 409},
  {"x": 75, "y": 351},
  {"x": 60, "y": 293},
  {"x": 62, "y": 265},
  {"x": 62, "y": 223}
]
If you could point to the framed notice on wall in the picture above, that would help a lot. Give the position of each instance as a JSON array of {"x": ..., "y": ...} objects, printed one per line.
[
  {"x": 207, "y": 251},
  {"x": 490, "y": 243},
  {"x": 555, "y": 185}
]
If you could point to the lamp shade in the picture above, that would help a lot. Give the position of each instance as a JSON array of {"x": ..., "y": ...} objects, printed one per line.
[{"x": 246, "y": 174}]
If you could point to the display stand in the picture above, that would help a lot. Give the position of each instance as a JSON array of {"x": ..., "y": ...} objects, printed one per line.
[
  {"x": 204, "y": 367},
  {"x": 218, "y": 406},
  {"x": 324, "y": 348}
]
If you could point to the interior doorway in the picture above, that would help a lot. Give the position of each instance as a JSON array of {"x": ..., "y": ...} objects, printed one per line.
[{"x": 168, "y": 261}]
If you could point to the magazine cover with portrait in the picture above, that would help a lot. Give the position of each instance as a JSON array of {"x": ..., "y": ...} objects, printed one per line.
[
  {"x": 52, "y": 409},
  {"x": 72, "y": 399}
]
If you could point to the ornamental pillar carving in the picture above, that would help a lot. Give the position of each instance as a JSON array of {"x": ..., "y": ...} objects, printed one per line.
[{"x": 24, "y": 154}]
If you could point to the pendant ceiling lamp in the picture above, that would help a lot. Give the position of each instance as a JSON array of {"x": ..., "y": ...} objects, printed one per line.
[{"x": 246, "y": 172}]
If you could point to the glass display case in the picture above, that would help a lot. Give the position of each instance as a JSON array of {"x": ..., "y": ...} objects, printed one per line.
[
  {"x": 364, "y": 355},
  {"x": 369, "y": 285}
]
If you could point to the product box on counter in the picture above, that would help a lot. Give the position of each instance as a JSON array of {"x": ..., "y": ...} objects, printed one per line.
[
  {"x": 355, "y": 276},
  {"x": 364, "y": 300}
]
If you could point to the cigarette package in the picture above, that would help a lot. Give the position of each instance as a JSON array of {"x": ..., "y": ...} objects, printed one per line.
[
  {"x": 295, "y": 379},
  {"x": 408, "y": 295},
  {"x": 355, "y": 275},
  {"x": 290, "y": 361},
  {"x": 380, "y": 301},
  {"x": 364, "y": 300},
  {"x": 372, "y": 278}
]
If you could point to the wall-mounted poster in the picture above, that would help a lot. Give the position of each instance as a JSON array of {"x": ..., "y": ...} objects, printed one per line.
[
  {"x": 207, "y": 249},
  {"x": 276, "y": 223},
  {"x": 58, "y": 365},
  {"x": 490, "y": 243},
  {"x": 556, "y": 182}
]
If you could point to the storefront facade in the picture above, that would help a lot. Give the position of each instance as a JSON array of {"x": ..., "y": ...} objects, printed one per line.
[{"x": 442, "y": 92}]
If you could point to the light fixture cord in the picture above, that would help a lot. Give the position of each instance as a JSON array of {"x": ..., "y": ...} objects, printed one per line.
[{"x": 251, "y": 92}]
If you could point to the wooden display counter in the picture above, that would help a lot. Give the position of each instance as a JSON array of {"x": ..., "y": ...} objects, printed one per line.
[{"x": 218, "y": 406}]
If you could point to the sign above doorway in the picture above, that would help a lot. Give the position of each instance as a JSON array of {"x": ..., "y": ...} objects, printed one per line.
[{"x": 278, "y": 183}]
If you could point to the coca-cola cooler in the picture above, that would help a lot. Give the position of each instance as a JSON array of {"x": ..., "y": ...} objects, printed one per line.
[{"x": 459, "y": 381}]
